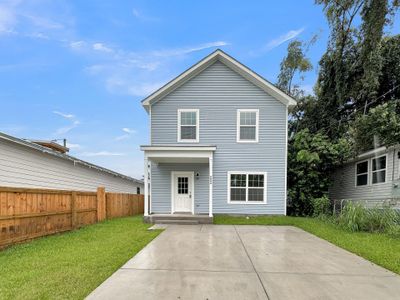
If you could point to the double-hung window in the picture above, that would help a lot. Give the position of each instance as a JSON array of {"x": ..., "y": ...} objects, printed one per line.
[
  {"x": 188, "y": 125},
  {"x": 362, "y": 173},
  {"x": 247, "y": 125},
  {"x": 379, "y": 169},
  {"x": 247, "y": 187}
]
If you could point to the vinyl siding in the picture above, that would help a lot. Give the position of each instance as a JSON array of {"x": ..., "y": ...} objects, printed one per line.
[
  {"x": 161, "y": 186},
  {"x": 28, "y": 168},
  {"x": 344, "y": 187},
  {"x": 218, "y": 92}
]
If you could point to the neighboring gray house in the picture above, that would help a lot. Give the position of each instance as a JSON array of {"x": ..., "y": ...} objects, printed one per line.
[
  {"x": 373, "y": 178},
  {"x": 218, "y": 142},
  {"x": 41, "y": 164}
]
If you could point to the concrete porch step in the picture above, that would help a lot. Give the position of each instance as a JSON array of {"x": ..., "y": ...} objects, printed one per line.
[
  {"x": 178, "y": 219},
  {"x": 177, "y": 222}
]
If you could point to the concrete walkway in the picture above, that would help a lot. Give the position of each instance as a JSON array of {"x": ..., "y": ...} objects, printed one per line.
[{"x": 246, "y": 262}]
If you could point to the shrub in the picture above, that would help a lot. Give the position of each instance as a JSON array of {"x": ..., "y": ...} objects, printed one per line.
[
  {"x": 355, "y": 217},
  {"x": 321, "y": 206}
]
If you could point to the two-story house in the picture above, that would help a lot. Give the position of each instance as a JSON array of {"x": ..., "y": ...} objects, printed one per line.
[{"x": 218, "y": 143}]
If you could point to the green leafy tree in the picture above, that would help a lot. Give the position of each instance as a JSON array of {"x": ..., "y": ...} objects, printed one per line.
[
  {"x": 311, "y": 159},
  {"x": 381, "y": 126}
]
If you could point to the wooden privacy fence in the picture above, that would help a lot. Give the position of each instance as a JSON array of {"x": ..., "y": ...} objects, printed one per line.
[{"x": 29, "y": 213}]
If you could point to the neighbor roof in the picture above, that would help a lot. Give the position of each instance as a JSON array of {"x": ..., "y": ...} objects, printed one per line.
[
  {"x": 75, "y": 160},
  {"x": 230, "y": 62}
]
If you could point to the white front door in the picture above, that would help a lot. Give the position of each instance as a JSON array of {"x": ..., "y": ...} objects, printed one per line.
[{"x": 182, "y": 191}]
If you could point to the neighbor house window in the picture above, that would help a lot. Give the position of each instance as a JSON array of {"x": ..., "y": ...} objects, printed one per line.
[
  {"x": 138, "y": 190},
  {"x": 188, "y": 125},
  {"x": 379, "y": 169},
  {"x": 362, "y": 173},
  {"x": 247, "y": 125},
  {"x": 247, "y": 187}
]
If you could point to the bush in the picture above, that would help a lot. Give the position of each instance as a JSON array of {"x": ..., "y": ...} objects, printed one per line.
[
  {"x": 321, "y": 206},
  {"x": 355, "y": 217}
]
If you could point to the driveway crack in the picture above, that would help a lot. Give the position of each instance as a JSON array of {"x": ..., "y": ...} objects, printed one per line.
[{"x": 254, "y": 268}]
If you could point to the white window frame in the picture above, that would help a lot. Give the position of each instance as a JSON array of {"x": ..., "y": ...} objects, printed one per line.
[
  {"x": 368, "y": 173},
  {"x": 238, "y": 140},
  {"x": 385, "y": 169},
  {"x": 197, "y": 126},
  {"x": 247, "y": 173}
]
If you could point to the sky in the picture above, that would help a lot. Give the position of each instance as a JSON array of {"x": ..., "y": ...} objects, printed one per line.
[{"x": 79, "y": 69}]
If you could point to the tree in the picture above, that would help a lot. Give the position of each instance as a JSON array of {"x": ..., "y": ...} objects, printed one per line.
[
  {"x": 294, "y": 62},
  {"x": 311, "y": 159},
  {"x": 381, "y": 126}
]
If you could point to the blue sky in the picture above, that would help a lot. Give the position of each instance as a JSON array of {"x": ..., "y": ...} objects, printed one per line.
[{"x": 79, "y": 69}]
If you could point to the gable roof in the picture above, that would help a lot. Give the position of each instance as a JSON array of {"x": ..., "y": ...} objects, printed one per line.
[
  {"x": 37, "y": 147},
  {"x": 231, "y": 63}
]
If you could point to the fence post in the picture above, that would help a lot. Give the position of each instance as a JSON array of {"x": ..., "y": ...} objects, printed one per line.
[
  {"x": 101, "y": 203},
  {"x": 73, "y": 210}
]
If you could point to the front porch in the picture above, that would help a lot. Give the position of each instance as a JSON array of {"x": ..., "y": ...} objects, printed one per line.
[{"x": 178, "y": 183}]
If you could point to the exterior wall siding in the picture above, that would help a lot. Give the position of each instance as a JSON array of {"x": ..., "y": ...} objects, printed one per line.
[
  {"x": 218, "y": 92},
  {"x": 344, "y": 186},
  {"x": 29, "y": 168},
  {"x": 161, "y": 186}
]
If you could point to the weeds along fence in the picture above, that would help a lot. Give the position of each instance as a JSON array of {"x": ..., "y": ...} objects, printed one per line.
[{"x": 30, "y": 213}]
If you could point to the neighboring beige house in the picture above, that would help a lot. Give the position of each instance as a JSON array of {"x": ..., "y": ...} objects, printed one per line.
[{"x": 45, "y": 164}]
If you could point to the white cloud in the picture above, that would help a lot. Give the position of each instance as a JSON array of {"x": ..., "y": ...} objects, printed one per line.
[
  {"x": 8, "y": 19},
  {"x": 187, "y": 50},
  {"x": 101, "y": 47},
  {"x": 283, "y": 38},
  {"x": 128, "y": 130},
  {"x": 142, "y": 17},
  {"x": 66, "y": 116},
  {"x": 77, "y": 45},
  {"x": 73, "y": 146},
  {"x": 66, "y": 129},
  {"x": 101, "y": 153}
]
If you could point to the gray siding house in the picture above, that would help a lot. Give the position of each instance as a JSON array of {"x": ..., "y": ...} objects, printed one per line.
[
  {"x": 218, "y": 142},
  {"x": 28, "y": 164},
  {"x": 372, "y": 178}
]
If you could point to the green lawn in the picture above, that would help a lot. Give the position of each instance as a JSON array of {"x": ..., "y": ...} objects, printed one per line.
[
  {"x": 381, "y": 249},
  {"x": 71, "y": 265}
]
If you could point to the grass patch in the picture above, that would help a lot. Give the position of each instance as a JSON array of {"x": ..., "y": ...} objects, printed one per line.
[
  {"x": 380, "y": 248},
  {"x": 71, "y": 265}
]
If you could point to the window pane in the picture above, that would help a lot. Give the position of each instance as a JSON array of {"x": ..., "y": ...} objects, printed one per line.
[
  {"x": 188, "y": 132},
  {"x": 247, "y": 133},
  {"x": 379, "y": 163},
  {"x": 256, "y": 194},
  {"x": 256, "y": 180},
  {"x": 238, "y": 194},
  {"x": 248, "y": 118},
  {"x": 362, "y": 167},
  {"x": 238, "y": 180},
  {"x": 379, "y": 176},
  {"x": 183, "y": 185},
  {"x": 362, "y": 179},
  {"x": 188, "y": 118}
]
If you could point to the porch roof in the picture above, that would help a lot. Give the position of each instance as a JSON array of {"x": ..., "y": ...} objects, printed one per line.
[{"x": 178, "y": 153}]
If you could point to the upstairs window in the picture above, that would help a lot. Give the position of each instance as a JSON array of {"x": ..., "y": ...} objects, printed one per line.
[
  {"x": 362, "y": 173},
  {"x": 247, "y": 187},
  {"x": 188, "y": 125},
  {"x": 247, "y": 125},
  {"x": 379, "y": 169}
]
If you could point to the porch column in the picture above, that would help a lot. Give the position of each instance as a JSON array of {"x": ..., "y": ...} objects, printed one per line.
[
  {"x": 146, "y": 187},
  {"x": 210, "y": 197}
]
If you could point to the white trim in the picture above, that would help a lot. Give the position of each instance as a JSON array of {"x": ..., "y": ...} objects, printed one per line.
[
  {"x": 178, "y": 148},
  {"x": 286, "y": 155},
  {"x": 247, "y": 173},
  {"x": 210, "y": 179},
  {"x": 238, "y": 125},
  {"x": 230, "y": 62},
  {"x": 146, "y": 188},
  {"x": 179, "y": 140},
  {"x": 150, "y": 124},
  {"x": 367, "y": 173},
  {"x": 173, "y": 176},
  {"x": 385, "y": 169},
  {"x": 397, "y": 153}
]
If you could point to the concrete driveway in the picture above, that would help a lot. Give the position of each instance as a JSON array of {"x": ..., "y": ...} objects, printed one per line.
[{"x": 246, "y": 262}]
